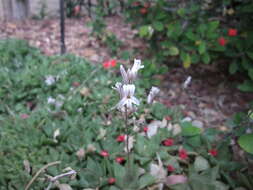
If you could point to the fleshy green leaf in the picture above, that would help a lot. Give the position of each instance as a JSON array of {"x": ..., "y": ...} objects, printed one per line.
[{"x": 245, "y": 141}]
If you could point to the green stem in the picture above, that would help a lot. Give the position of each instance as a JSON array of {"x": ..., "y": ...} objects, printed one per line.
[{"x": 127, "y": 140}]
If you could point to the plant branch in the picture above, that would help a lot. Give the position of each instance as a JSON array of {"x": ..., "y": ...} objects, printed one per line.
[
  {"x": 39, "y": 172},
  {"x": 53, "y": 179}
]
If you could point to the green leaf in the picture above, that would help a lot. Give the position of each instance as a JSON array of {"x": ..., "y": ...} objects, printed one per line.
[
  {"x": 213, "y": 25},
  {"x": 220, "y": 186},
  {"x": 189, "y": 130},
  {"x": 247, "y": 86},
  {"x": 202, "y": 48},
  {"x": 201, "y": 164},
  {"x": 173, "y": 51},
  {"x": 186, "y": 58},
  {"x": 245, "y": 141},
  {"x": 146, "y": 180},
  {"x": 144, "y": 31},
  {"x": 158, "y": 26},
  {"x": 233, "y": 67},
  {"x": 250, "y": 55},
  {"x": 250, "y": 73},
  {"x": 206, "y": 58}
]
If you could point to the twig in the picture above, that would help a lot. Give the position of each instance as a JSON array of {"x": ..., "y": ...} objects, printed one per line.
[
  {"x": 53, "y": 179},
  {"x": 38, "y": 173}
]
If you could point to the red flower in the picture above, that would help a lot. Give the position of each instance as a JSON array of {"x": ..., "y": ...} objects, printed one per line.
[
  {"x": 120, "y": 160},
  {"x": 183, "y": 154},
  {"x": 213, "y": 152},
  {"x": 222, "y": 41},
  {"x": 232, "y": 32},
  {"x": 121, "y": 138},
  {"x": 168, "y": 142},
  {"x": 108, "y": 64},
  {"x": 145, "y": 129},
  {"x": 143, "y": 11},
  {"x": 24, "y": 116},
  {"x": 111, "y": 180},
  {"x": 104, "y": 153},
  {"x": 170, "y": 168}
]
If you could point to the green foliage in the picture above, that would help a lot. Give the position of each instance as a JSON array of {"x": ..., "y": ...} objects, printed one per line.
[
  {"x": 79, "y": 112},
  {"x": 190, "y": 32}
]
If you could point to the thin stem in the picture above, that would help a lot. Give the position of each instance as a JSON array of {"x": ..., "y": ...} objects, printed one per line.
[
  {"x": 127, "y": 140},
  {"x": 38, "y": 173},
  {"x": 53, "y": 179}
]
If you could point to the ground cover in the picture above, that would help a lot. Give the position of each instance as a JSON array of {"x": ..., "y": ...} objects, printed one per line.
[{"x": 59, "y": 108}]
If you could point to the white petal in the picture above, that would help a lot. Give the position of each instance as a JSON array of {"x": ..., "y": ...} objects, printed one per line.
[
  {"x": 124, "y": 74},
  {"x": 135, "y": 101}
]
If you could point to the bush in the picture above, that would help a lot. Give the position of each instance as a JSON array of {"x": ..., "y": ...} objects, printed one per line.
[{"x": 198, "y": 32}]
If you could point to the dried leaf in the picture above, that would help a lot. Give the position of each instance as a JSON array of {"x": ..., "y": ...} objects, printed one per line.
[
  {"x": 85, "y": 91},
  {"x": 56, "y": 134},
  {"x": 80, "y": 153},
  {"x": 175, "y": 179},
  {"x": 27, "y": 166}
]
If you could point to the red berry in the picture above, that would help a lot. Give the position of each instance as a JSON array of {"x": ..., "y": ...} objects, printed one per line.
[
  {"x": 183, "y": 154},
  {"x": 111, "y": 180},
  {"x": 170, "y": 168},
  {"x": 232, "y": 32},
  {"x": 213, "y": 152},
  {"x": 222, "y": 41},
  {"x": 120, "y": 160},
  {"x": 121, "y": 138},
  {"x": 104, "y": 153},
  {"x": 108, "y": 64},
  {"x": 168, "y": 142},
  {"x": 145, "y": 129}
]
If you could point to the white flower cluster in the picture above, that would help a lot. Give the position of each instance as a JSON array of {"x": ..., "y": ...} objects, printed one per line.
[{"x": 128, "y": 102}]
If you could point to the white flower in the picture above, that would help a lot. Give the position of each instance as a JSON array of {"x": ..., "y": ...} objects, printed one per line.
[
  {"x": 51, "y": 100},
  {"x": 127, "y": 102},
  {"x": 187, "y": 82},
  {"x": 131, "y": 74},
  {"x": 152, "y": 94},
  {"x": 50, "y": 80}
]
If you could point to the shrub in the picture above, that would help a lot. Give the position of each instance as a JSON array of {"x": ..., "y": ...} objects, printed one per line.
[{"x": 197, "y": 32}]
